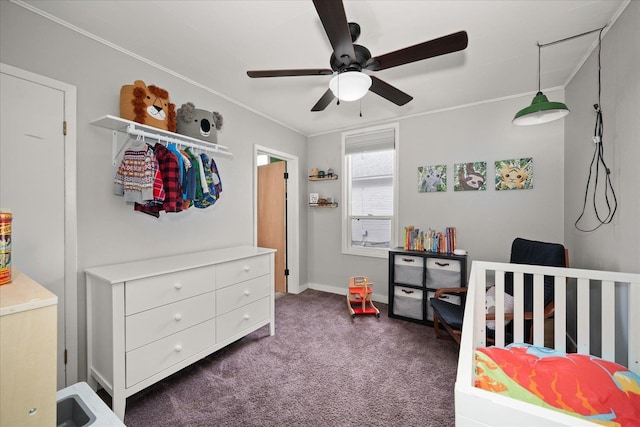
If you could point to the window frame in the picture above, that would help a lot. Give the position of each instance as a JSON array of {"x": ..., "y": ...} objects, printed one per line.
[{"x": 347, "y": 248}]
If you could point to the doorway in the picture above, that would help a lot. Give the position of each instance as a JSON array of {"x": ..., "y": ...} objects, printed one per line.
[
  {"x": 272, "y": 214},
  {"x": 279, "y": 220},
  {"x": 38, "y": 126}
]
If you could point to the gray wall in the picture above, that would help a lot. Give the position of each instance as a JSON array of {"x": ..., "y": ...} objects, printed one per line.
[
  {"x": 615, "y": 246},
  {"x": 108, "y": 229},
  {"x": 486, "y": 221}
]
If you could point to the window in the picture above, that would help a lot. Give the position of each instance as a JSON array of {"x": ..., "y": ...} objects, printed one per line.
[{"x": 369, "y": 192}]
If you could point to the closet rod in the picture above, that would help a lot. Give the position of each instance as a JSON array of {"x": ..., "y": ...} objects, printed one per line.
[{"x": 214, "y": 148}]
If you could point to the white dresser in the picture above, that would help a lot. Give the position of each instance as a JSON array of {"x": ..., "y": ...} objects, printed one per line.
[{"x": 148, "y": 319}]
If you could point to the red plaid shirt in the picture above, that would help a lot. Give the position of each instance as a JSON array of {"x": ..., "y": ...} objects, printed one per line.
[{"x": 170, "y": 170}]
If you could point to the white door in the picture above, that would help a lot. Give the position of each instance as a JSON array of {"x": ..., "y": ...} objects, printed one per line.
[{"x": 32, "y": 185}]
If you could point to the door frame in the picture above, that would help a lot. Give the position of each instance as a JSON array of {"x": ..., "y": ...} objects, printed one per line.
[
  {"x": 70, "y": 214},
  {"x": 293, "y": 212}
]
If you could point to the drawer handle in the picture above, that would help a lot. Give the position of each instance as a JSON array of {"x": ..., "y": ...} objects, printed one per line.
[
  {"x": 442, "y": 264},
  {"x": 247, "y": 293},
  {"x": 178, "y": 317},
  {"x": 246, "y": 268},
  {"x": 178, "y": 348},
  {"x": 178, "y": 286},
  {"x": 407, "y": 292},
  {"x": 246, "y": 317},
  {"x": 408, "y": 260}
]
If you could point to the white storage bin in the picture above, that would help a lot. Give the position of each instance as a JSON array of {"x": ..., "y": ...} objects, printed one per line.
[
  {"x": 407, "y": 302},
  {"x": 443, "y": 273},
  {"x": 408, "y": 269},
  {"x": 453, "y": 299}
]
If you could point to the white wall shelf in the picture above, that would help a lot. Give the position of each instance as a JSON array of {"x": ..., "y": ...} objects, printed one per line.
[
  {"x": 325, "y": 178},
  {"x": 323, "y": 205},
  {"x": 119, "y": 125}
]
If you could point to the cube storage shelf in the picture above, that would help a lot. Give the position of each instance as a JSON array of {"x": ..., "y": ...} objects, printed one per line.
[{"x": 415, "y": 276}]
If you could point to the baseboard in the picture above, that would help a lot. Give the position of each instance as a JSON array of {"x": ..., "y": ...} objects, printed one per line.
[
  {"x": 383, "y": 299},
  {"x": 298, "y": 289}
]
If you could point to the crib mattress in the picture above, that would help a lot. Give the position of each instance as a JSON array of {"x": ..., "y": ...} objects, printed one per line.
[{"x": 584, "y": 386}]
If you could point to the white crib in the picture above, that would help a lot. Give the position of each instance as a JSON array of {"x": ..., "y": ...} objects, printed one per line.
[{"x": 477, "y": 407}]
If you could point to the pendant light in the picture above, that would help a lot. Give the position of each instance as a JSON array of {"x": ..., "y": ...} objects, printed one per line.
[{"x": 541, "y": 109}]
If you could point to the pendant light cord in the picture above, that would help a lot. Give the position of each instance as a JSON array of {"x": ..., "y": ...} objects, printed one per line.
[
  {"x": 539, "y": 48},
  {"x": 598, "y": 161}
]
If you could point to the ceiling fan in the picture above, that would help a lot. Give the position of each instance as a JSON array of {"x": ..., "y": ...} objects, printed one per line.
[{"x": 349, "y": 60}]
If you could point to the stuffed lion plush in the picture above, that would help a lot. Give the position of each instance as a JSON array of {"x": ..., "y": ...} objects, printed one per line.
[
  {"x": 199, "y": 124},
  {"x": 148, "y": 105}
]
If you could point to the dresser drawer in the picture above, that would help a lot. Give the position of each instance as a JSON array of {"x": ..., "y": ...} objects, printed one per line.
[
  {"x": 242, "y": 318},
  {"x": 234, "y": 296},
  {"x": 408, "y": 269},
  {"x": 443, "y": 273},
  {"x": 241, "y": 270},
  {"x": 154, "y": 291},
  {"x": 150, "y": 359},
  {"x": 151, "y": 325}
]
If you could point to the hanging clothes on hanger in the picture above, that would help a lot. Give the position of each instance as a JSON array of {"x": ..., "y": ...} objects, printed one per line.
[
  {"x": 170, "y": 169},
  {"x": 172, "y": 147},
  {"x": 210, "y": 197},
  {"x": 217, "y": 181},
  {"x": 136, "y": 174},
  {"x": 196, "y": 166},
  {"x": 189, "y": 190}
]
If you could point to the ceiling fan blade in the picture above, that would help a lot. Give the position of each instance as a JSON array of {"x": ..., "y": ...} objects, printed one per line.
[
  {"x": 286, "y": 73},
  {"x": 389, "y": 92},
  {"x": 436, "y": 47},
  {"x": 324, "y": 101},
  {"x": 334, "y": 21}
]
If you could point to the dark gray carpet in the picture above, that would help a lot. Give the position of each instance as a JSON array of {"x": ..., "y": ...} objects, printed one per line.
[{"x": 320, "y": 369}]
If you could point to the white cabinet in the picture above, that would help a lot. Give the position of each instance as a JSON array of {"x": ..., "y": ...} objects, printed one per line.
[
  {"x": 148, "y": 319},
  {"x": 28, "y": 331}
]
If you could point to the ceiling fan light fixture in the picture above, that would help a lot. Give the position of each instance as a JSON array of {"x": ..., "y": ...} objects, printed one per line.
[
  {"x": 350, "y": 85},
  {"x": 540, "y": 111}
]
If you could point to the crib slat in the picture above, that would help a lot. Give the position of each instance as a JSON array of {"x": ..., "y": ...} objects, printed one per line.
[
  {"x": 538, "y": 310},
  {"x": 583, "y": 316},
  {"x": 560, "y": 313},
  {"x": 608, "y": 320},
  {"x": 479, "y": 316},
  {"x": 499, "y": 297},
  {"x": 634, "y": 327},
  {"x": 518, "y": 307}
]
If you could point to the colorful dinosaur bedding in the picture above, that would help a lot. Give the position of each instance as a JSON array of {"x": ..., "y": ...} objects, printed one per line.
[{"x": 584, "y": 386}]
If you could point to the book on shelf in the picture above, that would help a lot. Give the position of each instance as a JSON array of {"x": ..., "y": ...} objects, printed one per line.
[{"x": 430, "y": 241}]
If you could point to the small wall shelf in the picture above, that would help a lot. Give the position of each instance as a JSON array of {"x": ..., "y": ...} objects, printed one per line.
[
  {"x": 120, "y": 125},
  {"x": 325, "y": 178},
  {"x": 323, "y": 205}
]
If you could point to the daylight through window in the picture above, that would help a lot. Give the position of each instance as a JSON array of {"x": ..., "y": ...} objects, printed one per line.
[{"x": 370, "y": 159}]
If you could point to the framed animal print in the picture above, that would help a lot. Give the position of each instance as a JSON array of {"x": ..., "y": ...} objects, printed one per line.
[
  {"x": 432, "y": 179},
  {"x": 514, "y": 174},
  {"x": 470, "y": 176}
]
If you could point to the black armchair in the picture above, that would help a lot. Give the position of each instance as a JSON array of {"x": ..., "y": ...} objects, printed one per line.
[{"x": 450, "y": 316}]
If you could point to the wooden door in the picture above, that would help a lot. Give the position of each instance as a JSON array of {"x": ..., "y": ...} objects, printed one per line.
[
  {"x": 32, "y": 186},
  {"x": 272, "y": 217}
]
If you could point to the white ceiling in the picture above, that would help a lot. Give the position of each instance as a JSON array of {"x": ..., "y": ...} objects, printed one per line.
[{"x": 214, "y": 43}]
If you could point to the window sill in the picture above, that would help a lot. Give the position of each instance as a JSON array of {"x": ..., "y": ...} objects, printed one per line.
[{"x": 367, "y": 252}]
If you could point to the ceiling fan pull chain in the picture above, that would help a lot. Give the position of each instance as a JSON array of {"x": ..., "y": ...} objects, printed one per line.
[{"x": 360, "y": 107}]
